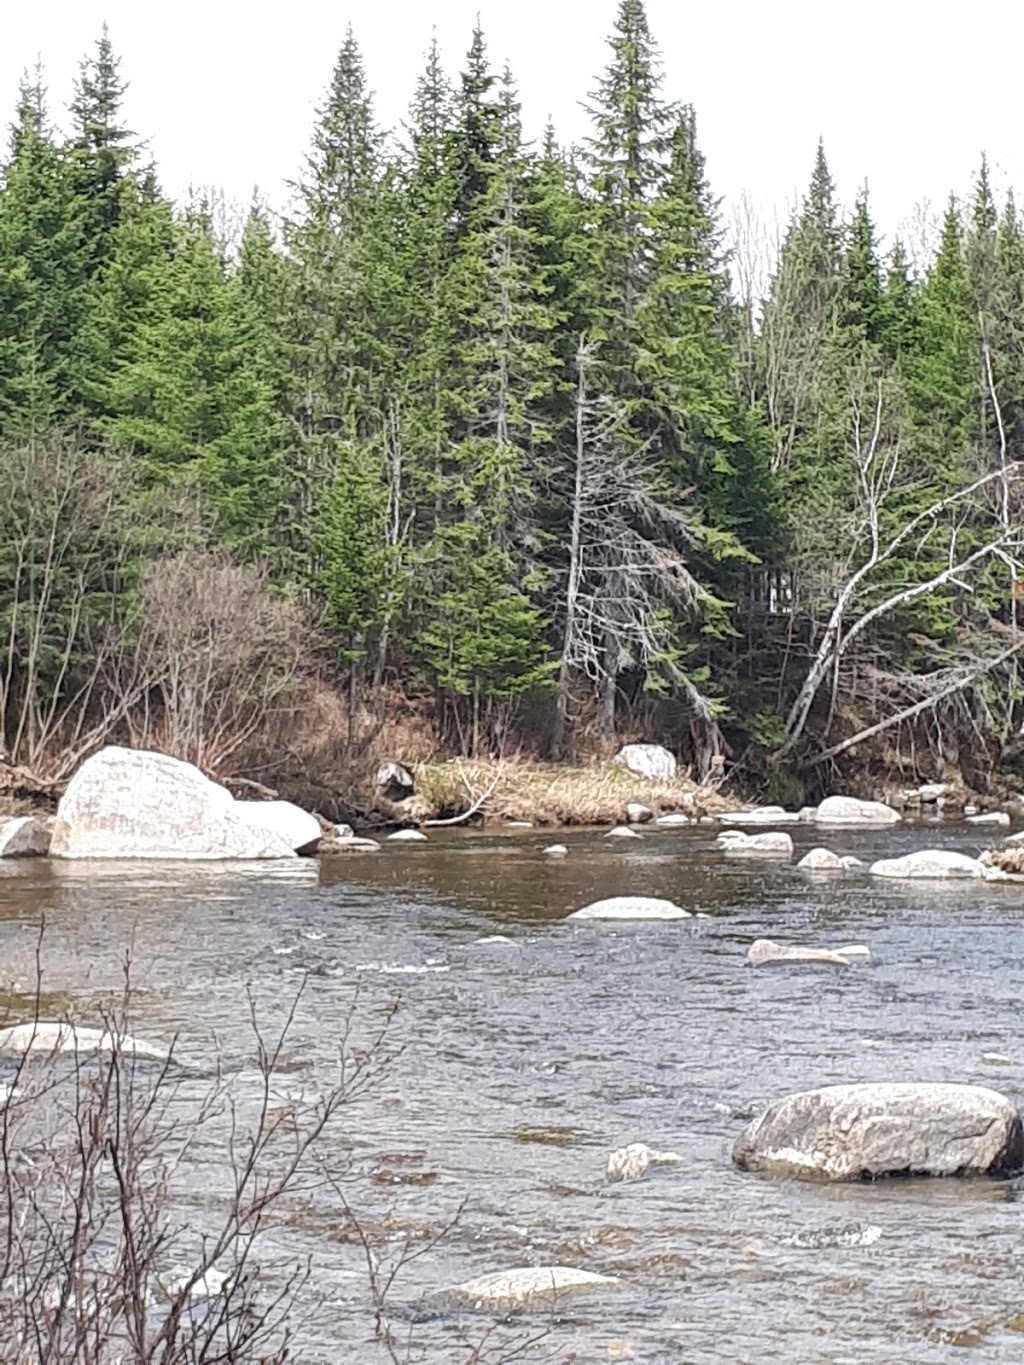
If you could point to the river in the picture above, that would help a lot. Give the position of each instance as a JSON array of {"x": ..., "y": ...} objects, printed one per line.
[{"x": 518, "y": 1064}]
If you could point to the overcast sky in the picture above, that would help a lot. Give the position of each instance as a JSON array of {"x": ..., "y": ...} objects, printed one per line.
[{"x": 906, "y": 93}]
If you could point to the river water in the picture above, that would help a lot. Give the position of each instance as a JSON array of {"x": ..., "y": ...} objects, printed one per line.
[{"x": 517, "y": 1064}]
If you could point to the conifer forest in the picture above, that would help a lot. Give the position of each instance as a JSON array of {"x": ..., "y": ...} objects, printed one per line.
[{"x": 519, "y": 438}]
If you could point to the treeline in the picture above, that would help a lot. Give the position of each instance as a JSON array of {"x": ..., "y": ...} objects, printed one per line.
[{"x": 497, "y": 422}]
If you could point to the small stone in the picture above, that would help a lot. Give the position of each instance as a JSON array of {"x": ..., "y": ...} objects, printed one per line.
[
  {"x": 763, "y": 953},
  {"x": 519, "y": 824},
  {"x": 992, "y": 817},
  {"x": 407, "y": 836},
  {"x": 637, "y": 814},
  {"x": 631, "y": 908},
  {"x": 776, "y": 843},
  {"x": 634, "y": 1161},
  {"x": 821, "y": 860},
  {"x": 675, "y": 820},
  {"x": 623, "y": 832},
  {"x": 555, "y": 851}
]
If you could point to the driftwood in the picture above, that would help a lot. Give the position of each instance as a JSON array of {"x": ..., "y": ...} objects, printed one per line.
[{"x": 466, "y": 814}]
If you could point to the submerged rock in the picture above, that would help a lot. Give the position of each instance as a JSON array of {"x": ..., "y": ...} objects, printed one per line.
[
  {"x": 623, "y": 832},
  {"x": 508, "y": 1291},
  {"x": 24, "y": 836},
  {"x": 847, "y": 810},
  {"x": 992, "y": 817},
  {"x": 852, "y": 1132},
  {"x": 778, "y": 842},
  {"x": 821, "y": 860},
  {"x": 934, "y": 863},
  {"x": 131, "y": 803},
  {"x": 648, "y": 760},
  {"x": 675, "y": 820},
  {"x": 555, "y": 851},
  {"x": 407, "y": 836},
  {"x": 764, "y": 952},
  {"x": 764, "y": 815},
  {"x": 330, "y": 844},
  {"x": 48, "y": 1037},
  {"x": 634, "y": 1161},
  {"x": 631, "y": 908},
  {"x": 638, "y": 814}
]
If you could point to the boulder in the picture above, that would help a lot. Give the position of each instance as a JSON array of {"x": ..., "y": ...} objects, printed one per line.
[
  {"x": 992, "y": 817},
  {"x": 634, "y": 1161},
  {"x": 47, "y": 1038},
  {"x": 636, "y": 814},
  {"x": 777, "y": 843},
  {"x": 850, "y": 863},
  {"x": 932, "y": 792},
  {"x": 821, "y": 860},
  {"x": 623, "y": 832},
  {"x": 764, "y": 953},
  {"x": 807, "y": 814},
  {"x": 934, "y": 863},
  {"x": 24, "y": 836},
  {"x": 407, "y": 836},
  {"x": 847, "y": 810},
  {"x": 131, "y": 803},
  {"x": 281, "y": 820},
  {"x": 854, "y": 1132},
  {"x": 631, "y": 907},
  {"x": 555, "y": 851},
  {"x": 648, "y": 760},
  {"x": 508, "y": 1291},
  {"x": 393, "y": 781},
  {"x": 765, "y": 815},
  {"x": 675, "y": 820}
]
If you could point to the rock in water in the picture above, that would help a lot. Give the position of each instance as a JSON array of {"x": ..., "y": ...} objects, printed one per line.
[
  {"x": 648, "y": 760},
  {"x": 24, "y": 836},
  {"x": 623, "y": 832},
  {"x": 777, "y": 842},
  {"x": 632, "y": 907},
  {"x": 637, "y": 814},
  {"x": 764, "y": 815},
  {"x": 281, "y": 820},
  {"x": 934, "y": 863},
  {"x": 821, "y": 860},
  {"x": 555, "y": 851},
  {"x": 847, "y": 810},
  {"x": 46, "y": 1037},
  {"x": 634, "y": 1161},
  {"x": 407, "y": 836},
  {"x": 674, "y": 820},
  {"x": 541, "y": 1286},
  {"x": 853, "y": 1132},
  {"x": 131, "y": 803},
  {"x": 763, "y": 953},
  {"x": 992, "y": 817}
]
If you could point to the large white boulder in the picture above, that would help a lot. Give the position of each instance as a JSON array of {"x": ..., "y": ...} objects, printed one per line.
[
  {"x": 852, "y": 1132},
  {"x": 632, "y": 907},
  {"x": 281, "y": 820},
  {"x": 648, "y": 760},
  {"x": 540, "y": 1286},
  {"x": 763, "y": 815},
  {"x": 24, "y": 836},
  {"x": 847, "y": 810},
  {"x": 131, "y": 803},
  {"x": 776, "y": 843},
  {"x": 933, "y": 863}
]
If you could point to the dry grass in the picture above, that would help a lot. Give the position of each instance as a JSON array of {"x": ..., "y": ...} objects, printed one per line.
[
  {"x": 552, "y": 794},
  {"x": 1009, "y": 859}
]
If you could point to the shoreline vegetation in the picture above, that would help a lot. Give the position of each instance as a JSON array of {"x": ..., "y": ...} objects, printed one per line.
[{"x": 490, "y": 448}]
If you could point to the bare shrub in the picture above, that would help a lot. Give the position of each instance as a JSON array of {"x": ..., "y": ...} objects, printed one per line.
[
  {"x": 104, "y": 1255},
  {"x": 216, "y": 658}
]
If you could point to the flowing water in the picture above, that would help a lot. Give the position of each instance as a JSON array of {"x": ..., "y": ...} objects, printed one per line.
[{"x": 525, "y": 1049}]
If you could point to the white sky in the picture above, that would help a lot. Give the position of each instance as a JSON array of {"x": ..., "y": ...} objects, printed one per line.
[{"x": 906, "y": 93}]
